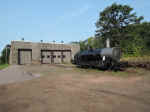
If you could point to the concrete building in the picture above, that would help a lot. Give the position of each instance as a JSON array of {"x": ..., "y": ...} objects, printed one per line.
[{"x": 41, "y": 53}]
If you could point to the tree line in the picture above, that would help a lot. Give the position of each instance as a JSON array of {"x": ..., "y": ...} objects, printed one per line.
[{"x": 124, "y": 29}]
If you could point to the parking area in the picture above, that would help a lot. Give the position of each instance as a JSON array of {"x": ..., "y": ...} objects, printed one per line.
[{"x": 65, "y": 88}]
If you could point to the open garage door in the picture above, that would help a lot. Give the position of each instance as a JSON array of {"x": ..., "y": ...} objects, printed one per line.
[{"x": 25, "y": 56}]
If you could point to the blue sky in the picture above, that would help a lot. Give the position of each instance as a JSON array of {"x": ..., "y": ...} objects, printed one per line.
[{"x": 47, "y": 20}]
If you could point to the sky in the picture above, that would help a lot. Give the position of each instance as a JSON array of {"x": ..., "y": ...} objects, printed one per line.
[{"x": 48, "y": 20}]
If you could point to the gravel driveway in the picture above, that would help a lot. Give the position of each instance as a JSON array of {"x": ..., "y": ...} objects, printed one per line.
[
  {"x": 70, "y": 89},
  {"x": 14, "y": 73}
]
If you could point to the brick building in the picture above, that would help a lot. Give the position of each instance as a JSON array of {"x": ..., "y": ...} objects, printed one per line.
[{"x": 41, "y": 53}]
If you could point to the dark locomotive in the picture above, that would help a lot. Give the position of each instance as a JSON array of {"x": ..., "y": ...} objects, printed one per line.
[{"x": 106, "y": 58}]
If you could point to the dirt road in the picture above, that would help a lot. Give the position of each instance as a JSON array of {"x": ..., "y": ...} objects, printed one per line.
[{"x": 70, "y": 89}]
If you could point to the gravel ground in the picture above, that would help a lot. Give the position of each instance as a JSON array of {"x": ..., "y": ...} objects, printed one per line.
[
  {"x": 13, "y": 74},
  {"x": 70, "y": 89}
]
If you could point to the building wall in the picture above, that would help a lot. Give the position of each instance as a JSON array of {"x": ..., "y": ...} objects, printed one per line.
[
  {"x": 38, "y": 47},
  {"x": 75, "y": 48}
]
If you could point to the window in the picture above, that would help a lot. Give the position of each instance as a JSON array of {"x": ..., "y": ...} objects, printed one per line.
[
  {"x": 59, "y": 56},
  {"x": 54, "y": 56},
  {"x": 63, "y": 56},
  {"x": 48, "y": 56},
  {"x": 43, "y": 56}
]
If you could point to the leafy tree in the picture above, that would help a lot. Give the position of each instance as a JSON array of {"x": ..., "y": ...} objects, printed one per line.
[
  {"x": 143, "y": 32},
  {"x": 98, "y": 43},
  {"x": 83, "y": 46},
  {"x": 5, "y": 57},
  {"x": 113, "y": 20}
]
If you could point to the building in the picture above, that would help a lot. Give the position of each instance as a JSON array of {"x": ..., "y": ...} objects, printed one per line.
[{"x": 41, "y": 53}]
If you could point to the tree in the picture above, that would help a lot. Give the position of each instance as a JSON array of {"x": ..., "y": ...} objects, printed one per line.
[
  {"x": 113, "y": 20},
  {"x": 5, "y": 54},
  {"x": 143, "y": 32},
  {"x": 83, "y": 46}
]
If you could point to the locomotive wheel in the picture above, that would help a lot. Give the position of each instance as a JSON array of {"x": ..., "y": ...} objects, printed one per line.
[
  {"x": 109, "y": 65},
  {"x": 112, "y": 65},
  {"x": 115, "y": 66}
]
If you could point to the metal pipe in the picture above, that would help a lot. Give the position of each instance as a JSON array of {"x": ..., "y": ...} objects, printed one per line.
[{"x": 107, "y": 43}]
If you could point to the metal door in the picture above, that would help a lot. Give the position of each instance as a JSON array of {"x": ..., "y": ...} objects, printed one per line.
[
  {"x": 57, "y": 57},
  {"x": 25, "y": 57},
  {"x": 46, "y": 57},
  {"x": 66, "y": 56}
]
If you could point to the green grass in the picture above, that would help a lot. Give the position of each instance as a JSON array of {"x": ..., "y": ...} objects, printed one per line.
[
  {"x": 128, "y": 72},
  {"x": 136, "y": 59},
  {"x": 2, "y": 66}
]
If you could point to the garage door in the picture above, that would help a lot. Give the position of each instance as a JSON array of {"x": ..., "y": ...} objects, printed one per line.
[
  {"x": 25, "y": 57},
  {"x": 66, "y": 57},
  {"x": 46, "y": 57},
  {"x": 49, "y": 57},
  {"x": 57, "y": 57}
]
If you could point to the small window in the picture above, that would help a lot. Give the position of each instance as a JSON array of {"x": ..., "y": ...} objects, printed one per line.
[
  {"x": 43, "y": 56},
  {"x": 54, "y": 56},
  {"x": 64, "y": 56},
  {"x": 48, "y": 56},
  {"x": 59, "y": 56}
]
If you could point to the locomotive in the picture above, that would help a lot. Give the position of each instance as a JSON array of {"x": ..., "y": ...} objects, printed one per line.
[{"x": 106, "y": 58}]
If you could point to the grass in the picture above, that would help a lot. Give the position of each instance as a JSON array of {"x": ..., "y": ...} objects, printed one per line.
[
  {"x": 128, "y": 72},
  {"x": 136, "y": 59},
  {"x": 2, "y": 66}
]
